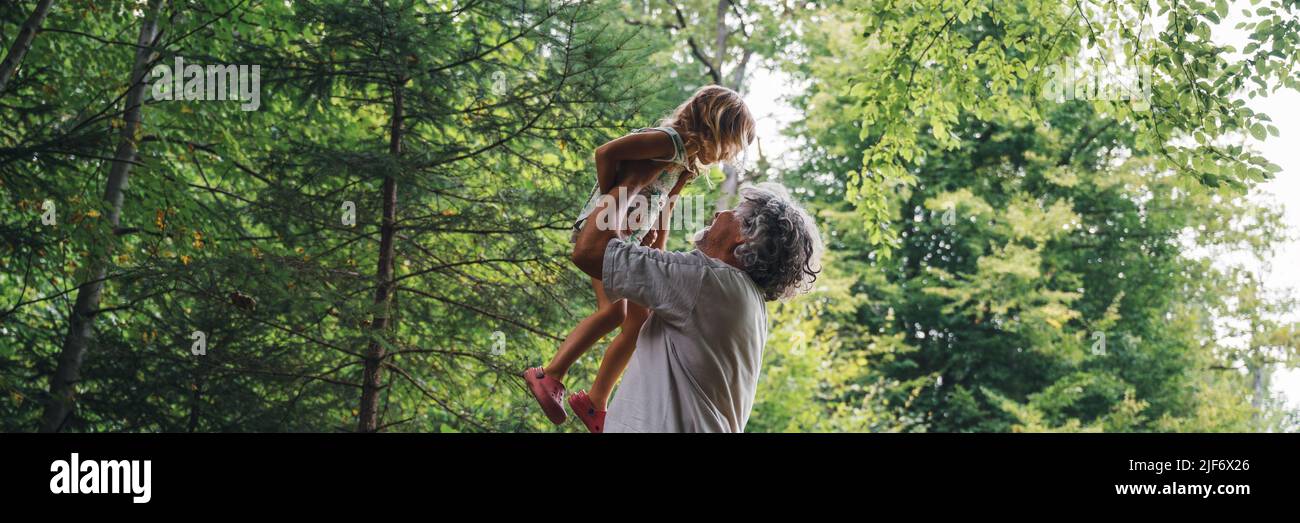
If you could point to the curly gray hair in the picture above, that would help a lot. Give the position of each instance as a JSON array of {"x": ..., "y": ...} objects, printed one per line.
[{"x": 782, "y": 250}]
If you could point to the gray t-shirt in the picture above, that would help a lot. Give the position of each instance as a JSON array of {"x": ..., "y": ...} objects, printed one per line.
[{"x": 698, "y": 356}]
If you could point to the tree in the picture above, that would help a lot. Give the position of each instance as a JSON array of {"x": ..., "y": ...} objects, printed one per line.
[
  {"x": 911, "y": 77},
  {"x": 470, "y": 129},
  {"x": 23, "y": 42},
  {"x": 1252, "y": 316},
  {"x": 1039, "y": 280},
  {"x": 81, "y": 323}
]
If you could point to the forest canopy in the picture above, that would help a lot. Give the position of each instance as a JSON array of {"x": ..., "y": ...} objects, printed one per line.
[{"x": 1015, "y": 199}]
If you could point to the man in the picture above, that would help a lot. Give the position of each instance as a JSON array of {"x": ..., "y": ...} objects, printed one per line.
[{"x": 697, "y": 358}]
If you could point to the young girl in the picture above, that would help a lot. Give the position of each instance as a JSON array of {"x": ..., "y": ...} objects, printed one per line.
[{"x": 652, "y": 165}]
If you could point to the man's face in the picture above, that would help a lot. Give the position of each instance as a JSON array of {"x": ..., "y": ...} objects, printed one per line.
[{"x": 722, "y": 235}]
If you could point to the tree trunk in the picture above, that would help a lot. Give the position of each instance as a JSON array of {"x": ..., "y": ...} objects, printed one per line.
[
  {"x": 371, "y": 384},
  {"x": 23, "y": 43},
  {"x": 738, "y": 74},
  {"x": 720, "y": 34},
  {"x": 727, "y": 191},
  {"x": 1258, "y": 390},
  {"x": 81, "y": 324},
  {"x": 731, "y": 179},
  {"x": 196, "y": 403}
]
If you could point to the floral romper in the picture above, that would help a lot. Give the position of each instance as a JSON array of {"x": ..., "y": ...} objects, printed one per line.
[{"x": 656, "y": 193}]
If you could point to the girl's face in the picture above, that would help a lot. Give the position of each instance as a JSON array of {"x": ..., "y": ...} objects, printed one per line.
[
  {"x": 736, "y": 139},
  {"x": 732, "y": 154},
  {"x": 723, "y": 151},
  {"x": 721, "y": 123},
  {"x": 711, "y": 157}
]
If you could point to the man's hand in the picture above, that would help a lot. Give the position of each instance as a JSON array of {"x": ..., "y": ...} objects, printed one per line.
[{"x": 650, "y": 237}]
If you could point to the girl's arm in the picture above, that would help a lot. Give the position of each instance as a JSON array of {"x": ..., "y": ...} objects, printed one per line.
[
  {"x": 635, "y": 146},
  {"x": 664, "y": 223}
]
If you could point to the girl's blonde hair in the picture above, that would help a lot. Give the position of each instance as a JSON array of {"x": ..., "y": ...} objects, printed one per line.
[{"x": 715, "y": 126}]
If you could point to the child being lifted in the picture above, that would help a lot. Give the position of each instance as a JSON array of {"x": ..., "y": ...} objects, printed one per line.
[{"x": 650, "y": 167}]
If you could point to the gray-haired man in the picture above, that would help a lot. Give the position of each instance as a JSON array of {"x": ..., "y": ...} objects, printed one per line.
[{"x": 698, "y": 357}]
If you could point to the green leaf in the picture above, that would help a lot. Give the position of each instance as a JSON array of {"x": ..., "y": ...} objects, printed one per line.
[{"x": 1258, "y": 131}]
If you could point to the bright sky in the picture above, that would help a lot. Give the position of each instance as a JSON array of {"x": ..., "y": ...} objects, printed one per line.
[{"x": 767, "y": 90}]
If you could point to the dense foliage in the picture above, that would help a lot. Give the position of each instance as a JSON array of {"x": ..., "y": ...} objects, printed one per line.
[{"x": 381, "y": 244}]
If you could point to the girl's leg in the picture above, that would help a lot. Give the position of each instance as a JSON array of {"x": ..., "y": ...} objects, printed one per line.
[
  {"x": 607, "y": 317},
  {"x": 617, "y": 355}
]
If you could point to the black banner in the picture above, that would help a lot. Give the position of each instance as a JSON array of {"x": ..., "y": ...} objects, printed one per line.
[{"x": 328, "y": 472}]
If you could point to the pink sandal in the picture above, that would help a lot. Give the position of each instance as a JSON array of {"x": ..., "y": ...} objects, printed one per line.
[
  {"x": 586, "y": 411},
  {"x": 548, "y": 392}
]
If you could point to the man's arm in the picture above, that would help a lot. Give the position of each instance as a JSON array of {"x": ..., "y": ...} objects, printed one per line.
[
  {"x": 662, "y": 226},
  {"x": 667, "y": 283}
]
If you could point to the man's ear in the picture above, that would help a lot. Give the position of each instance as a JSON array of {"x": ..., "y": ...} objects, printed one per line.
[
  {"x": 736, "y": 243},
  {"x": 740, "y": 238}
]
